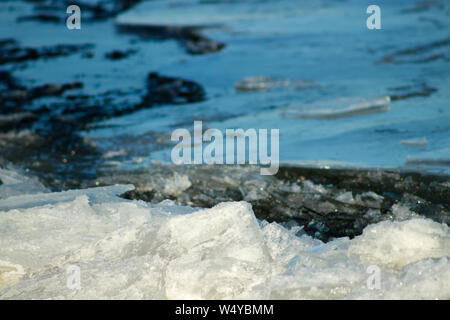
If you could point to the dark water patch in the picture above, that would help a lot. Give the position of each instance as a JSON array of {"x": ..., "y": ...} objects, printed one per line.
[
  {"x": 411, "y": 91},
  {"x": 15, "y": 98},
  {"x": 419, "y": 54},
  {"x": 59, "y": 161},
  {"x": 13, "y": 52},
  {"x": 190, "y": 37},
  {"x": 44, "y": 136},
  {"x": 427, "y": 161},
  {"x": 388, "y": 130},
  {"x": 160, "y": 90},
  {"x": 424, "y": 5},
  {"x": 170, "y": 90},
  {"x": 16, "y": 121},
  {"x": 41, "y": 17},
  {"x": 18, "y": 97},
  {"x": 119, "y": 54},
  {"x": 8, "y": 82},
  {"x": 435, "y": 22}
]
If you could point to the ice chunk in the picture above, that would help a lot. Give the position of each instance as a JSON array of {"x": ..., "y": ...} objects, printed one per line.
[
  {"x": 95, "y": 195},
  {"x": 262, "y": 83},
  {"x": 419, "y": 142},
  {"x": 309, "y": 186},
  {"x": 132, "y": 278},
  {"x": 16, "y": 184},
  {"x": 426, "y": 279},
  {"x": 367, "y": 199},
  {"x": 225, "y": 244},
  {"x": 34, "y": 237},
  {"x": 284, "y": 246},
  {"x": 177, "y": 184},
  {"x": 338, "y": 108},
  {"x": 328, "y": 281},
  {"x": 402, "y": 213},
  {"x": 134, "y": 250},
  {"x": 346, "y": 197},
  {"x": 114, "y": 154},
  {"x": 396, "y": 244},
  {"x": 10, "y": 273}
]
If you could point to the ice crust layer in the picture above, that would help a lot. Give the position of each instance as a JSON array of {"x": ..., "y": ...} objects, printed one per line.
[{"x": 135, "y": 250}]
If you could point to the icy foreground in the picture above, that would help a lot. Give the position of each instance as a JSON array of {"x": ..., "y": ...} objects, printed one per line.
[{"x": 135, "y": 250}]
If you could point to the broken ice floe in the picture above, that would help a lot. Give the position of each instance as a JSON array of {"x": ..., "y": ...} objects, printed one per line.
[
  {"x": 133, "y": 250},
  {"x": 328, "y": 202},
  {"x": 34, "y": 199},
  {"x": 418, "y": 142},
  {"x": 338, "y": 108},
  {"x": 263, "y": 83}
]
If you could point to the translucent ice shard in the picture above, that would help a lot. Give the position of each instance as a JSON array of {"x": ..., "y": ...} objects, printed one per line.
[
  {"x": 338, "y": 108},
  {"x": 396, "y": 244},
  {"x": 15, "y": 184},
  {"x": 113, "y": 248},
  {"x": 95, "y": 195},
  {"x": 225, "y": 244}
]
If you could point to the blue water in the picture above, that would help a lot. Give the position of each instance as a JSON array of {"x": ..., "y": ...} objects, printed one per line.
[{"x": 324, "y": 41}]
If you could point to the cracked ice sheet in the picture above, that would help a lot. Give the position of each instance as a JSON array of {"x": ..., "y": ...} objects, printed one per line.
[{"x": 133, "y": 250}]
